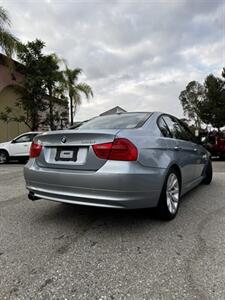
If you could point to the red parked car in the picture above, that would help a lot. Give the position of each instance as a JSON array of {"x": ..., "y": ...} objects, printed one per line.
[{"x": 215, "y": 143}]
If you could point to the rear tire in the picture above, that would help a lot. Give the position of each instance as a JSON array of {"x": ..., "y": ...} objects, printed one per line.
[
  {"x": 208, "y": 173},
  {"x": 4, "y": 157},
  {"x": 170, "y": 196}
]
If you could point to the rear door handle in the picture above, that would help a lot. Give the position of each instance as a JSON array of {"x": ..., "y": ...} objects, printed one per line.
[{"x": 177, "y": 148}]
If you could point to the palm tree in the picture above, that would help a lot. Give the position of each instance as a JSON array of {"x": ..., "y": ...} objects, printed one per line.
[
  {"x": 8, "y": 42},
  {"x": 75, "y": 89}
]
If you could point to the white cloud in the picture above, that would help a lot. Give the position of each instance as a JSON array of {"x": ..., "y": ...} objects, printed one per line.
[{"x": 136, "y": 54}]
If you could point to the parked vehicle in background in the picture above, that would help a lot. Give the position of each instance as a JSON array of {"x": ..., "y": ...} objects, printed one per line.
[
  {"x": 214, "y": 142},
  {"x": 128, "y": 160},
  {"x": 18, "y": 148}
]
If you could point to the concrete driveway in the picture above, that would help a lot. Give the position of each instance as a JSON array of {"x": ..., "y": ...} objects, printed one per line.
[{"x": 54, "y": 251}]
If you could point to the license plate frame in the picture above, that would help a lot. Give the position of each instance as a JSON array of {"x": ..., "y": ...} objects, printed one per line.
[{"x": 72, "y": 157}]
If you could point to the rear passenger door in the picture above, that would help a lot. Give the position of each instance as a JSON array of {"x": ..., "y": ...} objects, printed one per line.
[
  {"x": 199, "y": 151},
  {"x": 184, "y": 149}
]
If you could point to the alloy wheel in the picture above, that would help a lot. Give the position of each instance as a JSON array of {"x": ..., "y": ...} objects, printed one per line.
[
  {"x": 172, "y": 193},
  {"x": 3, "y": 157}
]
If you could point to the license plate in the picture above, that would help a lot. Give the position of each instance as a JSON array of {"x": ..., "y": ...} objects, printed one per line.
[{"x": 68, "y": 154}]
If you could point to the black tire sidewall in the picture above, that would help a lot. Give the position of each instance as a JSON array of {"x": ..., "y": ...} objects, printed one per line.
[{"x": 208, "y": 173}]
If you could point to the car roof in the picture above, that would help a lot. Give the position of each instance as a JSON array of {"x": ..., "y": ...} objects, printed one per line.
[{"x": 30, "y": 132}]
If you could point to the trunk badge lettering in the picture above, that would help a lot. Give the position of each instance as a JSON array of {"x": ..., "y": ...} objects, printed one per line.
[{"x": 88, "y": 142}]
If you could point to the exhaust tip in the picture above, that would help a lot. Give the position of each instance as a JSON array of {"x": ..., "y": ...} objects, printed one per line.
[{"x": 32, "y": 197}]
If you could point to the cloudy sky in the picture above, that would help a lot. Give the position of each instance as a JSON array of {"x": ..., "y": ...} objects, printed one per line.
[{"x": 136, "y": 54}]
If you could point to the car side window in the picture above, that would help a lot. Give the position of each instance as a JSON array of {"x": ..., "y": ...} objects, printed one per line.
[
  {"x": 163, "y": 127},
  {"x": 173, "y": 126},
  {"x": 177, "y": 129},
  {"x": 32, "y": 136},
  {"x": 186, "y": 134},
  {"x": 24, "y": 139}
]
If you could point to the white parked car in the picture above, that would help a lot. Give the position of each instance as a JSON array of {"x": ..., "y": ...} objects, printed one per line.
[{"x": 18, "y": 148}]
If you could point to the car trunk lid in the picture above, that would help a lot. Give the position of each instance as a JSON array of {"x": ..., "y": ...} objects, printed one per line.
[{"x": 72, "y": 149}]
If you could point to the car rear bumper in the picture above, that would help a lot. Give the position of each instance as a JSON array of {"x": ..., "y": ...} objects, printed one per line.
[{"x": 116, "y": 185}]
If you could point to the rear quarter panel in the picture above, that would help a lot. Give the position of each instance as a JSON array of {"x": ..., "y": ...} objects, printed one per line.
[{"x": 152, "y": 146}]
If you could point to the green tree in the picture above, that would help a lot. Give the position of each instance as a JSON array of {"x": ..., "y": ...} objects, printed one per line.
[
  {"x": 75, "y": 89},
  {"x": 205, "y": 103},
  {"x": 190, "y": 98},
  {"x": 33, "y": 90},
  {"x": 8, "y": 42},
  {"x": 212, "y": 109},
  {"x": 41, "y": 88},
  {"x": 54, "y": 85}
]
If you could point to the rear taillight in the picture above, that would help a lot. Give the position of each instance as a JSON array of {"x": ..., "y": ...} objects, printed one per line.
[
  {"x": 119, "y": 149},
  {"x": 123, "y": 149},
  {"x": 102, "y": 150},
  {"x": 35, "y": 150}
]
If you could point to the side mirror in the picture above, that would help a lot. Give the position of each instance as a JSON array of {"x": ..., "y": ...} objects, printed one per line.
[{"x": 13, "y": 142}]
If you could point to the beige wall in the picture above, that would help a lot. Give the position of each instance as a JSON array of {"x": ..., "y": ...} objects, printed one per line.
[
  {"x": 8, "y": 97},
  {"x": 7, "y": 79}
]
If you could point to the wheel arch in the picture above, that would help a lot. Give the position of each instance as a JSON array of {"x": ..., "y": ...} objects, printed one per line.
[
  {"x": 178, "y": 170},
  {"x": 4, "y": 150},
  {"x": 163, "y": 211},
  {"x": 6, "y": 154}
]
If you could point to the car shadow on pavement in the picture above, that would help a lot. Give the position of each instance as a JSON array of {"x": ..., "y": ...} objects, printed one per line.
[
  {"x": 73, "y": 216},
  {"x": 76, "y": 214}
]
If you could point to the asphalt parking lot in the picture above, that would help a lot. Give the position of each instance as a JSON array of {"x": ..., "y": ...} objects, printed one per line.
[{"x": 53, "y": 251}]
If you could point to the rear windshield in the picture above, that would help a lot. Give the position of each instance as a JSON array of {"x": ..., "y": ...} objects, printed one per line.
[{"x": 117, "y": 121}]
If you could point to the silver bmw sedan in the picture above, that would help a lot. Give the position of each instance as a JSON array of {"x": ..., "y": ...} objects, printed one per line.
[{"x": 127, "y": 160}]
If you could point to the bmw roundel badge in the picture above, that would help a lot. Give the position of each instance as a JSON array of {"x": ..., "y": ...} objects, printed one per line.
[{"x": 63, "y": 139}]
